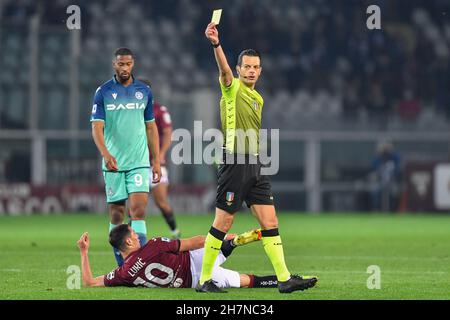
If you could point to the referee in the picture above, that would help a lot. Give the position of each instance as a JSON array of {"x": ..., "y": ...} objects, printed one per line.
[{"x": 240, "y": 111}]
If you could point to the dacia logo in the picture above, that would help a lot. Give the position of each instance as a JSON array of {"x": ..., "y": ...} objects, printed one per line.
[{"x": 128, "y": 106}]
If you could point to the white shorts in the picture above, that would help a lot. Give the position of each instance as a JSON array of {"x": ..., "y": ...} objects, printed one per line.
[
  {"x": 164, "y": 176},
  {"x": 224, "y": 278}
]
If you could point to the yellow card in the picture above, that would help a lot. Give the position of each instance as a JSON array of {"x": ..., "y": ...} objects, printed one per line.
[{"x": 216, "y": 16}]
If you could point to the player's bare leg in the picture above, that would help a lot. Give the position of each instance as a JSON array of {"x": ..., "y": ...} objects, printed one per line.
[
  {"x": 117, "y": 212},
  {"x": 223, "y": 220},
  {"x": 273, "y": 246},
  {"x": 160, "y": 192},
  {"x": 117, "y": 216},
  {"x": 213, "y": 243},
  {"x": 138, "y": 204}
]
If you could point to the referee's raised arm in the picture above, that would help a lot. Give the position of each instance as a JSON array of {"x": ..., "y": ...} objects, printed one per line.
[{"x": 226, "y": 74}]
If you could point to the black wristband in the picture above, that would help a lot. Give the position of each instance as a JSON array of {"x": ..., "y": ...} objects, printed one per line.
[{"x": 215, "y": 45}]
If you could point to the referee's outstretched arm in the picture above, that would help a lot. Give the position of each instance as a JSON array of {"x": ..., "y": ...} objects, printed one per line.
[{"x": 226, "y": 74}]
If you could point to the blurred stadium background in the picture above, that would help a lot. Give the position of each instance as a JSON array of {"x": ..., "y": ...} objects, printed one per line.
[{"x": 338, "y": 91}]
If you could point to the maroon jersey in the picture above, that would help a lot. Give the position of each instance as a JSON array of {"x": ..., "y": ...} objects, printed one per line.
[
  {"x": 159, "y": 263},
  {"x": 162, "y": 119}
]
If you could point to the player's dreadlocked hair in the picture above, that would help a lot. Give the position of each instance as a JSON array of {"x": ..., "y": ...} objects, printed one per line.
[
  {"x": 248, "y": 52},
  {"x": 118, "y": 235},
  {"x": 123, "y": 52}
]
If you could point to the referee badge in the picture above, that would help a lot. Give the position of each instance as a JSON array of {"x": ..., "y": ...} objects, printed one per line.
[{"x": 230, "y": 198}]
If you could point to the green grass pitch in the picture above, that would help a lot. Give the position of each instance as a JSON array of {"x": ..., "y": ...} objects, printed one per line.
[{"x": 412, "y": 251}]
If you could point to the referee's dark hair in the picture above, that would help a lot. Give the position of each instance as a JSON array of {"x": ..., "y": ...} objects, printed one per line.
[
  {"x": 248, "y": 52},
  {"x": 123, "y": 52},
  {"x": 118, "y": 235}
]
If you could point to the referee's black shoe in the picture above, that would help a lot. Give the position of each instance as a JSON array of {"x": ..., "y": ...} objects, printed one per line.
[
  {"x": 208, "y": 286},
  {"x": 295, "y": 283}
]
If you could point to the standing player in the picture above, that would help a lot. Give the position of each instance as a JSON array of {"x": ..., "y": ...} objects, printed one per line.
[
  {"x": 160, "y": 189},
  {"x": 123, "y": 129},
  {"x": 240, "y": 110},
  {"x": 168, "y": 263}
]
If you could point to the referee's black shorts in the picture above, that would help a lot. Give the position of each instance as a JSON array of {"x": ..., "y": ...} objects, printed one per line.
[{"x": 242, "y": 182}]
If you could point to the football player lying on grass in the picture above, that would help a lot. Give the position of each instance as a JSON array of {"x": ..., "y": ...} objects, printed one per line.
[{"x": 163, "y": 262}]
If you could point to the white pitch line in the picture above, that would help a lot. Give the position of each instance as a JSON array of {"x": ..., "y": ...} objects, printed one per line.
[
  {"x": 318, "y": 272},
  {"x": 33, "y": 270},
  {"x": 48, "y": 253},
  {"x": 356, "y": 257},
  {"x": 268, "y": 271},
  {"x": 10, "y": 270}
]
